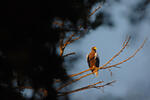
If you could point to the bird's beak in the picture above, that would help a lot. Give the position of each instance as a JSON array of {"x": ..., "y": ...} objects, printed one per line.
[{"x": 95, "y": 48}]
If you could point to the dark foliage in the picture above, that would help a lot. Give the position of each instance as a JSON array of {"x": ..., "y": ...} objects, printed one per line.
[{"x": 28, "y": 44}]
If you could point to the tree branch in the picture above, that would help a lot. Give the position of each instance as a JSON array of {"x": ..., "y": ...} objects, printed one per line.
[
  {"x": 128, "y": 57},
  {"x": 62, "y": 45},
  {"x": 117, "y": 53},
  {"x": 94, "y": 11},
  {"x": 85, "y": 88},
  {"x": 72, "y": 53},
  {"x": 70, "y": 82}
]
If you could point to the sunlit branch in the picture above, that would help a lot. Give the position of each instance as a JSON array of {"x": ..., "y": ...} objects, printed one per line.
[
  {"x": 72, "y": 53},
  {"x": 70, "y": 82},
  {"x": 94, "y": 11},
  {"x": 128, "y": 57},
  {"x": 85, "y": 88},
  {"x": 79, "y": 73},
  {"x": 62, "y": 45},
  {"x": 109, "y": 83},
  {"x": 116, "y": 54}
]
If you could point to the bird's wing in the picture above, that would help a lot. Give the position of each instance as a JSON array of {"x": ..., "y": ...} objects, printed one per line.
[
  {"x": 88, "y": 61},
  {"x": 97, "y": 60}
]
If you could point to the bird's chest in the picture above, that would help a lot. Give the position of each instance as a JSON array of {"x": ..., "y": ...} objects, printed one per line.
[{"x": 92, "y": 57}]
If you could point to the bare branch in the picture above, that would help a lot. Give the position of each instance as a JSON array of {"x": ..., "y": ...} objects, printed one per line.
[
  {"x": 61, "y": 48},
  {"x": 85, "y": 88},
  {"x": 70, "y": 40},
  {"x": 128, "y": 57},
  {"x": 126, "y": 40},
  {"x": 79, "y": 73},
  {"x": 72, "y": 53},
  {"x": 80, "y": 89},
  {"x": 62, "y": 45},
  {"x": 70, "y": 82},
  {"x": 94, "y": 11},
  {"x": 117, "y": 53},
  {"x": 74, "y": 39}
]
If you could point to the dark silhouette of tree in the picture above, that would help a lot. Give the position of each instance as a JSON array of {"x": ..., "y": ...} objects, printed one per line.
[{"x": 28, "y": 42}]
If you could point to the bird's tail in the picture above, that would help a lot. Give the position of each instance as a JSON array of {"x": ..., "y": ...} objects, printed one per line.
[{"x": 96, "y": 71}]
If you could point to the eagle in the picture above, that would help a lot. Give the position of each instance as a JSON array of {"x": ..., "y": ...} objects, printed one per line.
[{"x": 93, "y": 60}]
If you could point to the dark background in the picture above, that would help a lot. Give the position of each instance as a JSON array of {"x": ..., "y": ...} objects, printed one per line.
[{"x": 28, "y": 44}]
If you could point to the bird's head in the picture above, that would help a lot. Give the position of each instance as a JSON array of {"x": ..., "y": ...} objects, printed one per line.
[{"x": 94, "y": 48}]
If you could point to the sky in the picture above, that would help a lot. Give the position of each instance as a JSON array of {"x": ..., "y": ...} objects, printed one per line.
[{"x": 132, "y": 79}]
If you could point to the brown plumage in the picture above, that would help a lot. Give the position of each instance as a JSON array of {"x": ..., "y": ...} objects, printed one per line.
[{"x": 93, "y": 60}]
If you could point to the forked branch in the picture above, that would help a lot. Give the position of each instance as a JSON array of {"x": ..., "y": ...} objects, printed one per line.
[
  {"x": 128, "y": 57},
  {"x": 62, "y": 44}
]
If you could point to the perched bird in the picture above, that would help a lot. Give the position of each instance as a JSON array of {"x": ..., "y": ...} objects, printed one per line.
[{"x": 93, "y": 60}]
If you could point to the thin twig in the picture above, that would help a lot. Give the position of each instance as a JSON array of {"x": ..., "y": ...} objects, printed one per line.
[
  {"x": 94, "y": 11},
  {"x": 72, "y": 53},
  {"x": 125, "y": 41},
  {"x": 80, "y": 89}
]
